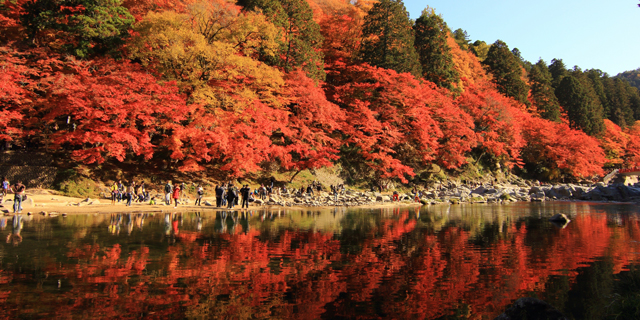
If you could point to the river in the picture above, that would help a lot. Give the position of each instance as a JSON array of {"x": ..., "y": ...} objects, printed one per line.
[{"x": 434, "y": 262}]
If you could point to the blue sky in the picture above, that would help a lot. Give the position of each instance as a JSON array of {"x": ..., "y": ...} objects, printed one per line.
[{"x": 591, "y": 34}]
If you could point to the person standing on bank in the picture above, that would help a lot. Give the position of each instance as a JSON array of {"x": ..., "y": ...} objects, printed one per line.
[
  {"x": 200, "y": 194},
  {"x": 18, "y": 190},
  {"x": 114, "y": 193},
  {"x": 168, "y": 190},
  {"x": 232, "y": 194},
  {"x": 5, "y": 188},
  {"x": 176, "y": 195},
  {"x": 245, "y": 196},
  {"x": 130, "y": 191}
]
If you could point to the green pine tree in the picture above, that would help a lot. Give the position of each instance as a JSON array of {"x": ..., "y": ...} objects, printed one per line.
[
  {"x": 507, "y": 72},
  {"x": 558, "y": 71},
  {"x": 462, "y": 38},
  {"x": 101, "y": 27},
  {"x": 583, "y": 112},
  {"x": 542, "y": 92},
  {"x": 435, "y": 55},
  {"x": 388, "y": 40},
  {"x": 619, "y": 102}
]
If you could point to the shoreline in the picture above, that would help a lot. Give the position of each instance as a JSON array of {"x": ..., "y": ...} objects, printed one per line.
[
  {"x": 46, "y": 203},
  {"x": 57, "y": 207}
]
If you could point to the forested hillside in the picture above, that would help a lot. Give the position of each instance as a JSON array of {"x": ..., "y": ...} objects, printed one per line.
[
  {"x": 632, "y": 76},
  {"x": 262, "y": 85}
]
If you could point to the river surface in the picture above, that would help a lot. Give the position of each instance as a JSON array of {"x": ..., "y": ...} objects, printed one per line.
[{"x": 434, "y": 262}]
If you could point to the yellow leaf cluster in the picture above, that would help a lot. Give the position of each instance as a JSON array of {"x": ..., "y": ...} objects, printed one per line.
[{"x": 209, "y": 54}]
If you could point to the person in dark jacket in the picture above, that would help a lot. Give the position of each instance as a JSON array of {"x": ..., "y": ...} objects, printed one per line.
[
  {"x": 232, "y": 194},
  {"x": 218, "y": 196},
  {"x": 244, "y": 192}
]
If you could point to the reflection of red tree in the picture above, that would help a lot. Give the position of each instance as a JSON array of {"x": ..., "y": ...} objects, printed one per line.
[{"x": 304, "y": 274}]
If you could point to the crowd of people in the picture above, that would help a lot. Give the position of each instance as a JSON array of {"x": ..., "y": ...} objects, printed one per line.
[
  {"x": 227, "y": 195},
  {"x": 130, "y": 192}
]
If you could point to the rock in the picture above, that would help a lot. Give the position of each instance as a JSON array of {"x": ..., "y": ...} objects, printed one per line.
[
  {"x": 531, "y": 309},
  {"x": 208, "y": 204},
  {"x": 44, "y": 213},
  {"x": 535, "y": 189},
  {"x": 562, "y": 191},
  {"x": 53, "y": 214},
  {"x": 94, "y": 202},
  {"x": 28, "y": 202},
  {"x": 538, "y": 196},
  {"x": 29, "y": 213},
  {"x": 260, "y": 202},
  {"x": 64, "y": 214},
  {"x": 386, "y": 199}
]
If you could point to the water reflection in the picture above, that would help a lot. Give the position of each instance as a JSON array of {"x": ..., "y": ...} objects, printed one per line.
[{"x": 462, "y": 261}]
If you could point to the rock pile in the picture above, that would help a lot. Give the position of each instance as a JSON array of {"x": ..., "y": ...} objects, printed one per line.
[{"x": 349, "y": 198}]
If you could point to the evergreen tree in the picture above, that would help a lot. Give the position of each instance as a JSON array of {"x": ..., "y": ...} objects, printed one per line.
[
  {"x": 507, "y": 72},
  {"x": 558, "y": 71},
  {"x": 462, "y": 38},
  {"x": 542, "y": 92},
  {"x": 634, "y": 101},
  {"x": 524, "y": 63},
  {"x": 619, "y": 102},
  {"x": 582, "y": 110},
  {"x": 301, "y": 38},
  {"x": 388, "y": 40},
  {"x": 88, "y": 26},
  {"x": 434, "y": 53}
]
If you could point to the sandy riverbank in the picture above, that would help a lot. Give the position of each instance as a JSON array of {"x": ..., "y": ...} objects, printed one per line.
[{"x": 44, "y": 200}]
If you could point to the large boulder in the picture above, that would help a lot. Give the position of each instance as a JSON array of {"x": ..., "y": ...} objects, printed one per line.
[
  {"x": 538, "y": 196},
  {"x": 593, "y": 195},
  {"x": 480, "y": 190},
  {"x": 562, "y": 192},
  {"x": 535, "y": 190}
]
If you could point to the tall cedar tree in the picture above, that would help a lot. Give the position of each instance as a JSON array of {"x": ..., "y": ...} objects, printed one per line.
[
  {"x": 85, "y": 26},
  {"x": 506, "y": 71},
  {"x": 558, "y": 71},
  {"x": 542, "y": 92},
  {"x": 462, "y": 38},
  {"x": 434, "y": 53},
  {"x": 581, "y": 108},
  {"x": 596, "y": 111},
  {"x": 619, "y": 102},
  {"x": 597, "y": 79},
  {"x": 388, "y": 40},
  {"x": 301, "y": 39}
]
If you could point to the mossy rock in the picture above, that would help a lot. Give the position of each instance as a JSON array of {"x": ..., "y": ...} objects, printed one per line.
[{"x": 506, "y": 197}]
